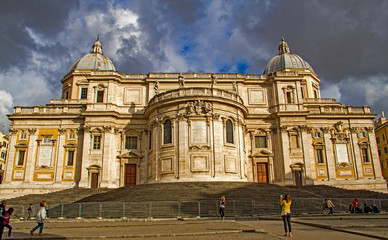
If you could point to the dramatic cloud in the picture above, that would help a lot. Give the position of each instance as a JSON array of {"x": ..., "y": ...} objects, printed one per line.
[{"x": 344, "y": 41}]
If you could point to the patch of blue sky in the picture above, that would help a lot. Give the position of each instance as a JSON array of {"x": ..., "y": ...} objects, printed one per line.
[
  {"x": 242, "y": 65},
  {"x": 224, "y": 69},
  {"x": 183, "y": 51}
]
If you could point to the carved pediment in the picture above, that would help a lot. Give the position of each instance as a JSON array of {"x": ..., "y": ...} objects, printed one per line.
[
  {"x": 262, "y": 152},
  {"x": 129, "y": 155}
]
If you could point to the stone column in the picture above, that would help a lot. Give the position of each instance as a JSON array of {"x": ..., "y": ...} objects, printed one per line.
[
  {"x": 330, "y": 159},
  {"x": 60, "y": 158},
  {"x": 10, "y": 160},
  {"x": 30, "y": 158},
  {"x": 84, "y": 178}
]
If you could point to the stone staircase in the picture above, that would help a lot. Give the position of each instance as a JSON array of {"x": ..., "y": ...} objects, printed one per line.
[
  {"x": 233, "y": 190},
  {"x": 65, "y": 196},
  {"x": 165, "y": 198}
]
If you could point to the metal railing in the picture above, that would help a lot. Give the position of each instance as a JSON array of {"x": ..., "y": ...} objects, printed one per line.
[{"x": 192, "y": 208}]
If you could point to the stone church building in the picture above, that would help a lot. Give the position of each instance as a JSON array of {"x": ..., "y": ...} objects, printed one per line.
[{"x": 112, "y": 129}]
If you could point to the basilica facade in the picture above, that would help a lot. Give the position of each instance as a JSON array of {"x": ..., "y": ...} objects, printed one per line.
[{"x": 112, "y": 129}]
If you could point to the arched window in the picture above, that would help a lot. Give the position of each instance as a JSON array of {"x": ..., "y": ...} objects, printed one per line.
[
  {"x": 167, "y": 132},
  {"x": 229, "y": 132}
]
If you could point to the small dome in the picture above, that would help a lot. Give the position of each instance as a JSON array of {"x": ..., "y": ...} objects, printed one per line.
[
  {"x": 94, "y": 60},
  {"x": 286, "y": 59}
]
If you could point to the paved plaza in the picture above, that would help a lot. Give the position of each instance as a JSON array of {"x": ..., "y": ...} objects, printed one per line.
[{"x": 317, "y": 227}]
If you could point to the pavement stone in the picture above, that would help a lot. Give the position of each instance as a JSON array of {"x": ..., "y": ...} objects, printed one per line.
[{"x": 325, "y": 227}]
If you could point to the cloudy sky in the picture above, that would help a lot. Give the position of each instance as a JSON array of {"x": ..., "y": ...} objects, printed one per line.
[{"x": 344, "y": 41}]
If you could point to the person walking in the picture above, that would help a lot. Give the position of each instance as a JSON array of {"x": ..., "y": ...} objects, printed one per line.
[
  {"x": 355, "y": 206},
  {"x": 29, "y": 210},
  {"x": 330, "y": 205},
  {"x": 2, "y": 217},
  {"x": 285, "y": 202},
  {"x": 8, "y": 214},
  {"x": 222, "y": 207},
  {"x": 40, "y": 218}
]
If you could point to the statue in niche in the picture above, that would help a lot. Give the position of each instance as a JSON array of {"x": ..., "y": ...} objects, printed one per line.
[
  {"x": 214, "y": 80},
  {"x": 181, "y": 81},
  {"x": 156, "y": 87},
  {"x": 235, "y": 86}
]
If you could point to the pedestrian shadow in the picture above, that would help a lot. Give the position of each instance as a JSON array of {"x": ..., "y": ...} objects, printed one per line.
[{"x": 22, "y": 235}]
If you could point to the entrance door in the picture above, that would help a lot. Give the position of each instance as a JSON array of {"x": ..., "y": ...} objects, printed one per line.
[
  {"x": 262, "y": 172},
  {"x": 298, "y": 177},
  {"x": 94, "y": 183},
  {"x": 130, "y": 174}
]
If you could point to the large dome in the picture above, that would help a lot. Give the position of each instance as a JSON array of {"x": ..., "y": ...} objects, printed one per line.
[
  {"x": 94, "y": 60},
  {"x": 285, "y": 59}
]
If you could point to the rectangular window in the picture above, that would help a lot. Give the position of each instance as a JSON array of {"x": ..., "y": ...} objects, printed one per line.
[
  {"x": 386, "y": 163},
  {"x": 365, "y": 155},
  {"x": 150, "y": 141},
  {"x": 260, "y": 142},
  {"x": 84, "y": 93},
  {"x": 67, "y": 95},
  {"x": 289, "y": 97},
  {"x": 46, "y": 140},
  {"x": 130, "y": 142},
  {"x": 70, "y": 158},
  {"x": 100, "y": 96},
  {"x": 71, "y": 135},
  {"x": 23, "y": 135},
  {"x": 21, "y": 158},
  {"x": 96, "y": 142},
  {"x": 383, "y": 137},
  {"x": 382, "y": 165},
  {"x": 2, "y": 155},
  {"x": 378, "y": 140},
  {"x": 315, "y": 93},
  {"x": 385, "y": 149},
  {"x": 379, "y": 152},
  {"x": 319, "y": 155},
  {"x": 317, "y": 134},
  {"x": 302, "y": 91}
]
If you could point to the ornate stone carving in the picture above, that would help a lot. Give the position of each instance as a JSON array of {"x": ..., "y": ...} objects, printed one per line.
[
  {"x": 341, "y": 138},
  {"x": 85, "y": 128},
  {"x": 198, "y": 107},
  {"x": 234, "y": 85},
  {"x": 338, "y": 126},
  {"x": 283, "y": 128},
  {"x": 13, "y": 131},
  {"x": 325, "y": 129},
  {"x": 61, "y": 131},
  {"x": 369, "y": 129},
  {"x": 31, "y": 130},
  {"x": 353, "y": 130}
]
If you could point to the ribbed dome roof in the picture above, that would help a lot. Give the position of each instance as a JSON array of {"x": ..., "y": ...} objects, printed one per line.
[
  {"x": 285, "y": 59},
  {"x": 94, "y": 60}
]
